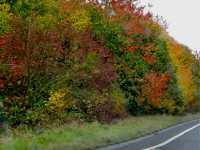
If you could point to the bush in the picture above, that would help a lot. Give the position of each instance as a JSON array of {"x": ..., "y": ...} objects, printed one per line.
[
  {"x": 109, "y": 106},
  {"x": 196, "y": 81},
  {"x": 119, "y": 103},
  {"x": 59, "y": 101},
  {"x": 5, "y": 17},
  {"x": 110, "y": 33},
  {"x": 169, "y": 106},
  {"x": 15, "y": 109},
  {"x": 79, "y": 19},
  {"x": 68, "y": 58},
  {"x": 104, "y": 109},
  {"x": 148, "y": 55}
]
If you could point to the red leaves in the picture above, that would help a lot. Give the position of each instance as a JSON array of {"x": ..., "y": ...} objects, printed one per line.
[
  {"x": 133, "y": 26},
  {"x": 16, "y": 69},
  {"x": 104, "y": 111},
  {"x": 154, "y": 87},
  {"x": 103, "y": 76},
  {"x": 149, "y": 59},
  {"x": 18, "y": 47},
  {"x": 3, "y": 40},
  {"x": 119, "y": 8},
  {"x": 104, "y": 72},
  {"x": 132, "y": 48},
  {"x": 2, "y": 84},
  {"x": 125, "y": 7}
]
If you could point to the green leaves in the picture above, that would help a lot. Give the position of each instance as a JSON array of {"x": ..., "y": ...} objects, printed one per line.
[
  {"x": 26, "y": 8},
  {"x": 5, "y": 17},
  {"x": 105, "y": 62},
  {"x": 110, "y": 32},
  {"x": 90, "y": 61},
  {"x": 47, "y": 21}
]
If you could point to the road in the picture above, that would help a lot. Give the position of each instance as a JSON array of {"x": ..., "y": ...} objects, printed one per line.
[{"x": 184, "y": 136}]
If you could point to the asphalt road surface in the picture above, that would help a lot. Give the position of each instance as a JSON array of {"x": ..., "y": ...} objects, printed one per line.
[{"x": 184, "y": 136}]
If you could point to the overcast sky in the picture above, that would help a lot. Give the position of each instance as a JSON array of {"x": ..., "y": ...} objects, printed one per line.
[{"x": 183, "y": 18}]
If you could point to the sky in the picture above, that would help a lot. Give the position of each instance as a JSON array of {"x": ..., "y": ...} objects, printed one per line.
[{"x": 183, "y": 18}]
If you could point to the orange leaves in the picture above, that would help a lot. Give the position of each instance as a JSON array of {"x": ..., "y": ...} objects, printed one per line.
[
  {"x": 66, "y": 6},
  {"x": 183, "y": 71},
  {"x": 149, "y": 59},
  {"x": 154, "y": 87},
  {"x": 146, "y": 50},
  {"x": 118, "y": 8},
  {"x": 2, "y": 41},
  {"x": 132, "y": 48},
  {"x": 133, "y": 26},
  {"x": 147, "y": 56},
  {"x": 148, "y": 47}
]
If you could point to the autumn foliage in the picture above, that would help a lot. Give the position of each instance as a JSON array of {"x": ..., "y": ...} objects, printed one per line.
[
  {"x": 154, "y": 87},
  {"x": 183, "y": 60},
  {"x": 89, "y": 61}
]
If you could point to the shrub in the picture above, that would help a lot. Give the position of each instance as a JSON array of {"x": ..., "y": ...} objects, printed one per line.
[
  {"x": 110, "y": 33},
  {"x": 37, "y": 7},
  {"x": 154, "y": 87},
  {"x": 15, "y": 109},
  {"x": 104, "y": 109},
  {"x": 196, "y": 81},
  {"x": 79, "y": 19},
  {"x": 181, "y": 59},
  {"x": 168, "y": 106},
  {"x": 1, "y": 110},
  {"x": 90, "y": 62},
  {"x": 111, "y": 105},
  {"x": 119, "y": 103},
  {"x": 149, "y": 55},
  {"x": 103, "y": 106},
  {"x": 69, "y": 57},
  {"x": 59, "y": 101},
  {"x": 56, "y": 101},
  {"x": 5, "y": 17}
]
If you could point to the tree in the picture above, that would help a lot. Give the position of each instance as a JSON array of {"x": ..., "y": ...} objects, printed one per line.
[{"x": 4, "y": 18}]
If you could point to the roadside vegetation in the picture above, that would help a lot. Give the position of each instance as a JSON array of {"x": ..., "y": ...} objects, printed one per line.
[
  {"x": 71, "y": 60},
  {"x": 85, "y": 136}
]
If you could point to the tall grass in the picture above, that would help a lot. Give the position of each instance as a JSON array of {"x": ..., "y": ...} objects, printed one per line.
[{"x": 82, "y": 136}]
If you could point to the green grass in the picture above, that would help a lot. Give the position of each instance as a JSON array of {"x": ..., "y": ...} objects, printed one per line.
[{"x": 76, "y": 136}]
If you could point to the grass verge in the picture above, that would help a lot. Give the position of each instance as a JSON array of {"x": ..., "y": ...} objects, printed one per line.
[{"x": 76, "y": 136}]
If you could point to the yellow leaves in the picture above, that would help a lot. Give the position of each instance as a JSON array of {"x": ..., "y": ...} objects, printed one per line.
[
  {"x": 5, "y": 17},
  {"x": 75, "y": 13},
  {"x": 181, "y": 60},
  {"x": 169, "y": 105},
  {"x": 57, "y": 101},
  {"x": 4, "y": 7},
  {"x": 118, "y": 100},
  {"x": 79, "y": 19}
]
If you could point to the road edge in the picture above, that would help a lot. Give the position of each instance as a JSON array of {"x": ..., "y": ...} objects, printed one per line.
[{"x": 148, "y": 135}]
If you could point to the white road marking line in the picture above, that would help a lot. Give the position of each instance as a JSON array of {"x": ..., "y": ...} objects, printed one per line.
[{"x": 172, "y": 139}]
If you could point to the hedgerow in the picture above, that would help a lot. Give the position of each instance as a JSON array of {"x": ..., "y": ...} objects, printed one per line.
[{"x": 59, "y": 58}]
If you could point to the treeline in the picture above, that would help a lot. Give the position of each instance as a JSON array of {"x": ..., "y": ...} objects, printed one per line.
[{"x": 63, "y": 60}]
